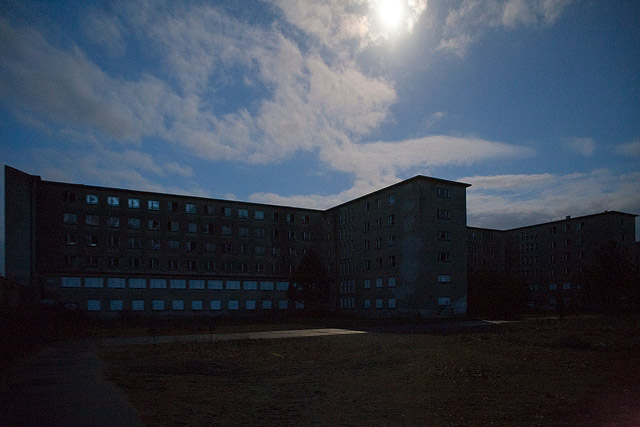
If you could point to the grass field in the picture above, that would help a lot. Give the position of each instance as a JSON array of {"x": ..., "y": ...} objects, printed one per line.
[{"x": 574, "y": 371}]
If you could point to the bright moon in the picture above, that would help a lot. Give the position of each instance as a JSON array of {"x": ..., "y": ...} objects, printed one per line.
[{"x": 390, "y": 12}]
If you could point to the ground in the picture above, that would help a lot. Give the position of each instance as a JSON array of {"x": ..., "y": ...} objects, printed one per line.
[{"x": 543, "y": 372}]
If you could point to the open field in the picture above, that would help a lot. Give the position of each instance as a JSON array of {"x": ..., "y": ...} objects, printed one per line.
[{"x": 579, "y": 371}]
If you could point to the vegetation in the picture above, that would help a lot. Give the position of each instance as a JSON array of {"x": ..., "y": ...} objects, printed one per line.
[
  {"x": 542, "y": 372},
  {"x": 311, "y": 284}
]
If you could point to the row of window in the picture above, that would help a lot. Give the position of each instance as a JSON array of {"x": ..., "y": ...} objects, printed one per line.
[
  {"x": 142, "y": 283},
  {"x": 552, "y": 286},
  {"x": 367, "y": 264},
  {"x": 179, "y": 305},
  {"x": 190, "y": 208},
  {"x": 349, "y": 302}
]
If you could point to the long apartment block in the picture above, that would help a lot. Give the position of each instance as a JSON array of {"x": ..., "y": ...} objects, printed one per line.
[{"x": 398, "y": 251}]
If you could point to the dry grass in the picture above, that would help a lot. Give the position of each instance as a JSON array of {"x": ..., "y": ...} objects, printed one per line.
[{"x": 583, "y": 371}]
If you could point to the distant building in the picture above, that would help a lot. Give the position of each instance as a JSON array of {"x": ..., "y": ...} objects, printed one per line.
[{"x": 397, "y": 251}]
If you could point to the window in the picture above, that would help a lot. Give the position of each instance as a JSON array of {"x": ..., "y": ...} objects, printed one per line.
[
  {"x": 306, "y": 219},
  {"x": 283, "y": 304},
  {"x": 70, "y": 218},
  {"x": 113, "y": 221},
  {"x": 392, "y": 282},
  {"x": 157, "y": 283},
  {"x": 116, "y": 282},
  {"x": 192, "y": 228},
  {"x": 444, "y": 214},
  {"x": 91, "y": 199},
  {"x": 391, "y": 240},
  {"x": 70, "y": 282},
  {"x": 259, "y": 250},
  {"x": 153, "y": 205},
  {"x": 225, "y": 230},
  {"x": 70, "y": 261},
  {"x": 378, "y": 204},
  {"x": 214, "y": 305},
  {"x": 93, "y": 282},
  {"x": 258, "y": 215},
  {"x": 177, "y": 284},
  {"x": 71, "y": 239},
  {"x": 366, "y": 207},
  {"x": 177, "y": 304},
  {"x": 135, "y": 283},
  {"x": 93, "y": 305},
  {"x": 133, "y": 223},
  {"x": 243, "y": 213},
  {"x": 92, "y": 240},
  {"x": 214, "y": 284},
  {"x": 133, "y": 203},
  {"x": 157, "y": 305},
  {"x": 137, "y": 305},
  {"x": 367, "y": 283},
  {"x": 92, "y": 220},
  {"x": 113, "y": 242},
  {"x": 196, "y": 305},
  {"x": 113, "y": 263},
  {"x": 172, "y": 206},
  {"x": 116, "y": 305},
  {"x": 232, "y": 304},
  {"x": 391, "y": 220},
  {"x": 392, "y": 199},
  {"x": 366, "y": 245},
  {"x": 243, "y": 231},
  {"x": 134, "y": 243},
  {"x": 282, "y": 286},
  {"x": 378, "y": 302},
  {"x": 174, "y": 264},
  {"x": 174, "y": 244},
  {"x": 68, "y": 197},
  {"x": 233, "y": 284},
  {"x": 378, "y": 222},
  {"x": 134, "y": 263},
  {"x": 444, "y": 235},
  {"x": 190, "y": 208},
  {"x": 444, "y": 278},
  {"x": 226, "y": 212},
  {"x": 209, "y": 209},
  {"x": 444, "y": 256},
  {"x": 443, "y": 192},
  {"x": 366, "y": 226},
  {"x": 260, "y": 232},
  {"x": 566, "y": 286},
  {"x": 174, "y": 226},
  {"x": 250, "y": 305},
  {"x": 196, "y": 284},
  {"x": 266, "y": 304},
  {"x": 153, "y": 224},
  {"x": 379, "y": 282},
  {"x": 392, "y": 303},
  {"x": 154, "y": 264},
  {"x": 366, "y": 264},
  {"x": 392, "y": 261},
  {"x": 266, "y": 286},
  {"x": 553, "y": 286},
  {"x": 290, "y": 217},
  {"x": 210, "y": 247},
  {"x": 367, "y": 303},
  {"x": 444, "y": 301}
]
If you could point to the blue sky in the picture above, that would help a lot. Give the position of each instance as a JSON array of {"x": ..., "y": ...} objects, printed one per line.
[{"x": 310, "y": 103}]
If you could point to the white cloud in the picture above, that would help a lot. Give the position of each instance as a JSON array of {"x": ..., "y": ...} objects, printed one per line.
[
  {"x": 631, "y": 149},
  {"x": 473, "y": 18},
  {"x": 581, "y": 146}
]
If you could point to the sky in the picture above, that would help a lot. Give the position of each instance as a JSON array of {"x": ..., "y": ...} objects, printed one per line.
[{"x": 312, "y": 103}]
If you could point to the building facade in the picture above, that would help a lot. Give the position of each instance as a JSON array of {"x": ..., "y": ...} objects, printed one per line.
[{"x": 397, "y": 251}]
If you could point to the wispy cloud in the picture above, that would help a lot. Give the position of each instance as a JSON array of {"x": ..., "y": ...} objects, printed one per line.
[
  {"x": 581, "y": 146},
  {"x": 631, "y": 149}
]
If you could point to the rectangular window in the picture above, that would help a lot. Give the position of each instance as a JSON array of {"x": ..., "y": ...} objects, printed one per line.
[
  {"x": 92, "y": 220},
  {"x": 266, "y": 304},
  {"x": 444, "y": 278},
  {"x": 243, "y": 231},
  {"x": 367, "y": 303},
  {"x": 190, "y": 208},
  {"x": 290, "y": 217},
  {"x": 210, "y": 247},
  {"x": 93, "y": 282},
  {"x": 232, "y": 304},
  {"x": 91, "y": 199},
  {"x": 392, "y": 303},
  {"x": 172, "y": 206},
  {"x": 378, "y": 302},
  {"x": 366, "y": 226},
  {"x": 226, "y": 212},
  {"x": 443, "y": 192},
  {"x": 116, "y": 282},
  {"x": 196, "y": 305},
  {"x": 174, "y": 244},
  {"x": 266, "y": 286},
  {"x": 282, "y": 286},
  {"x": 133, "y": 203},
  {"x": 258, "y": 215},
  {"x": 243, "y": 213},
  {"x": 174, "y": 226},
  {"x": 444, "y": 214},
  {"x": 367, "y": 283},
  {"x": 70, "y": 282},
  {"x": 116, "y": 305},
  {"x": 157, "y": 305},
  {"x": 154, "y": 264},
  {"x": 157, "y": 283},
  {"x": 250, "y": 305},
  {"x": 379, "y": 282},
  {"x": 233, "y": 284},
  {"x": 391, "y": 220},
  {"x": 92, "y": 240},
  {"x": 153, "y": 205},
  {"x": 283, "y": 304},
  {"x": 191, "y": 246},
  {"x": 225, "y": 230},
  {"x": 214, "y": 305},
  {"x": 153, "y": 224},
  {"x": 113, "y": 242},
  {"x": 177, "y": 305},
  {"x": 392, "y": 199},
  {"x": 92, "y": 261},
  {"x": 444, "y": 301},
  {"x": 135, "y": 283},
  {"x": 196, "y": 284},
  {"x": 444, "y": 235},
  {"x": 71, "y": 239},
  {"x": 93, "y": 305},
  {"x": 134, "y": 243},
  {"x": 137, "y": 305},
  {"x": 68, "y": 197},
  {"x": 70, "y": 218},
  {"x": 444, "y": 256},
  {"x": 214, "y": 284},
  {"x": 209, "y": 209},
  {"x": 113, "y": 221},
  {"x": 260, "y": 233},
  {"x": 113, "y": 263},
  {"x": 259, "y": 250},
  {"x": 70, "y": 261},
  {"x": 392, "y": 282},
  {"x": 177, "y": 284},
  {"x": 133, "y": 223}
]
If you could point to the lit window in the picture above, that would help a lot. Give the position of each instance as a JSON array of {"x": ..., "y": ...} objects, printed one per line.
[
  {"x": 70, "y": 218},
  {"x": 153, "y": 205},
  {"x": 250, "y": 304},
  {"x": 92, "y": 220},
  {"x": 190, "y": 208},
  {"x": 91, "y": 199},
  {"x": 70, "y": 282},
  {"x": 157, "y": 283},
  {"x": 243, "y": 213},
  {"x": 133, "y": 203},
  {"x": 266, "y": 286},
  {"x": 367, "y": 283},
  {"x": 444, "y": 301}
]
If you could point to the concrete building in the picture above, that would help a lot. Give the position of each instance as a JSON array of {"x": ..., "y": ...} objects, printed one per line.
[{"x": 397, "y": 251}]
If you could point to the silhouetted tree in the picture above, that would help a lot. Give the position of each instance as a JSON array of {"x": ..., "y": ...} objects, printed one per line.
[
  {"x": 494, "y": 294},
  {"x": 611, "y": 282},
  {"x": 311, "y": 283}
]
